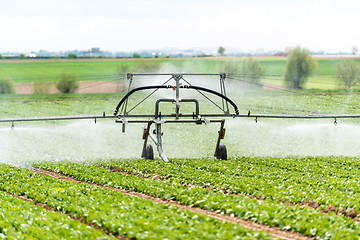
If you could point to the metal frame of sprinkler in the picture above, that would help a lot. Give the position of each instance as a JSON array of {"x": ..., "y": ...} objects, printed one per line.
[
  {"x": 179, "y": 82},
  {"x": 123, "y": 116}
]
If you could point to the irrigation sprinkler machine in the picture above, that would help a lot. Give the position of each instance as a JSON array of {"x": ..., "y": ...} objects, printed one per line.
[{"x": 174, "y": 83}]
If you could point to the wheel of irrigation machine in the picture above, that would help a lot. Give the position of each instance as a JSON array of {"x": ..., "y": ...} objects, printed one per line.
[
  {"x": 149, "y": 152},
  {"x": 222, "y": 153}
]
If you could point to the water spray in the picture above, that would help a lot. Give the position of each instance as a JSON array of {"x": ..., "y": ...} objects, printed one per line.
[{"x": 177, "y": 83}]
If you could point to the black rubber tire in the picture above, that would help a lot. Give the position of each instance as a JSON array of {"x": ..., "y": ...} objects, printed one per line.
[
  {"x": 149, "y": 152},
  {"x": 222, "y": 152}
]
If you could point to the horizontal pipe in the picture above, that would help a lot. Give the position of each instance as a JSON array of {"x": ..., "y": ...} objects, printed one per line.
[
  {"x": 173, "y": 101},
  {"x": 284, "y": 116},
  {"x": 173, "y": 121},
  {"x": 250, "y": 116},
  {"x": 310, "y": 116},
  {"x": 55, "y": 118}
]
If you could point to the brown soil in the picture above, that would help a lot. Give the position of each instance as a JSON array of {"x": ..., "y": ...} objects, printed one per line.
[
  {"x": 269, "y": 86},
  {"x": 329, "y": 208},
  {"x": 351, "y": 213},
  {"x": 310, "y": 204},
  {"x": 156, "y": 177},
  {"x": 116, "y": 169},
  {"x": 273, "y": 231},
  {"x": 75, "y": 218},
  {"x": 93, "y": 87},
  {"x": 84, "y": 87}
]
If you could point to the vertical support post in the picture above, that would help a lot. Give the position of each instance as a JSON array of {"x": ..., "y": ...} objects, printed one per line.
[
  {"x": 145, "y": 137},
  {"x": 177, "y": 99},
  {"x": 223, "y": 92},
  {"x": 220, "y": 136},
  {"x": 159, "y": 143}
]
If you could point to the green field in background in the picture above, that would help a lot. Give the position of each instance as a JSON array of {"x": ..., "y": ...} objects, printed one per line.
[
  {"x": 257, "y": 101},
  {"x": 29, "y": 71}
]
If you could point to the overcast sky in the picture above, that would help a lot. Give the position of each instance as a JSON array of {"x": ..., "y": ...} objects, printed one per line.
[{"x": 129, "y": 25}]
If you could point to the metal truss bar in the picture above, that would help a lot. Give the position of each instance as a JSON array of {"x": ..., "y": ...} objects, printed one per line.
[
  {"x": 147, "y": 96},
  {"x": 223, "y": 110},
  {"x": 171, "y": 74}
]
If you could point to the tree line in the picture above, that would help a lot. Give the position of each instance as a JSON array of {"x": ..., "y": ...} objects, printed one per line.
[{"x": 300, "y": 65}]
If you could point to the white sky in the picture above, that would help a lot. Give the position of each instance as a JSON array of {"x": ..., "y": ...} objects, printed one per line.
[{"x": 128, "y": 25}]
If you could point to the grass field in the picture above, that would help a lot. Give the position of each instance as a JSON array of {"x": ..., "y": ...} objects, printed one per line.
[
  {"x": 29, "y": 71},
  {"x": 94, "y": 70}
]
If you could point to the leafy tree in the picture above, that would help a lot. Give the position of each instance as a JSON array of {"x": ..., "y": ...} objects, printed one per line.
[
  {"x": 6, "y": 85},
  {"x": 67, "y": 83},
  {"x": 299, "y": 66},
  {"x": 252, "y": 71},
  {"x": 231, "y": 68},
  {"x": 72, "y": 55},
  {"x": 1, "y": 57},
  {"x": 22, "y": 56},
  {"x": 249, "y": 71},
  {"x": 348, "y": 73},
  {"x": 221, "y": 51},
  {"x": 136, "y": 55}
]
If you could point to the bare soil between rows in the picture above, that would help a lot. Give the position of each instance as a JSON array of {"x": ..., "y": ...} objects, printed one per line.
[{"x": 273, "y": 231}]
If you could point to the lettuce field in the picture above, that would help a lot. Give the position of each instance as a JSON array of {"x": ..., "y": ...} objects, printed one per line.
[
  {"x": 80, "y": 179},
  {"x": 312, "y": 197}
]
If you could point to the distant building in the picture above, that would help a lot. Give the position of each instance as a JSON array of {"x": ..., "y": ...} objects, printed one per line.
[
  {"x": 93, "y": 52},
  {"x": 280, "y": 54}
]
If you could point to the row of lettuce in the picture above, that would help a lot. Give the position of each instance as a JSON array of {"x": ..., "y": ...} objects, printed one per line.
[
  {"x": 24, "y": 220},
  {"x": 324, "y": 180},
  {"x": 116, "y": 213},
  {"x": 303, "y": 220}
]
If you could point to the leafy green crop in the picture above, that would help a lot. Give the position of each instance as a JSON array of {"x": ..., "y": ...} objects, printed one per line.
[
  {"x": 118, "y": 213},
  {"x": 324, "y": 180},
  {"x": 298, "y": 219},
  {"x": 24, "y": 220}
]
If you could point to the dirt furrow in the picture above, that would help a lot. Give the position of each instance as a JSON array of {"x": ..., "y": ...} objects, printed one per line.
[
  {"x": 273, "y": 231},
  {"x": 75, "y": 218}
]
